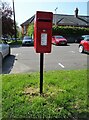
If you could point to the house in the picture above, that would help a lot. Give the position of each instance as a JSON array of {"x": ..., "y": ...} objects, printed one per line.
[
  {"x": 62, "y": 20},
  {"x": 26, "y": 24}
]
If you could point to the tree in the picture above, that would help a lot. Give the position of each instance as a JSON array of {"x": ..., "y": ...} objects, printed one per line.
[
  {"x": 30, "y": 30},
  {"x": 7, "y": 22}
]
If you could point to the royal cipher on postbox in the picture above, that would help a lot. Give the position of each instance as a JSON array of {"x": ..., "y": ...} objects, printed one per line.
[{"x": 43, "y": 31}]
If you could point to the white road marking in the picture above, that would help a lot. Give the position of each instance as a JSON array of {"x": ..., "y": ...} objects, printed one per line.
[
  {"x": 17, "y": 54},
  {"x": 72, "y": 51},
  {"x": 61, "y": 65}
]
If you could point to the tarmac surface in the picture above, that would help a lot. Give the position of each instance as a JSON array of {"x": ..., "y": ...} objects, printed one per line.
[{"x": 25, "y": 59}]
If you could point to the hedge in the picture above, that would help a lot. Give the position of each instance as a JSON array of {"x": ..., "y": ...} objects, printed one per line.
[
  {"x": 68, "y": 30},
  {"x": 63, "y": 30}
]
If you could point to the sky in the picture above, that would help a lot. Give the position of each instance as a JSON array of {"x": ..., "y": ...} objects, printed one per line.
[{"x": 24, "y": 9}]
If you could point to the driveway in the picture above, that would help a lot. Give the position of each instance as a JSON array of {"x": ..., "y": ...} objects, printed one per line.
[{"x": 25, "y": 59}]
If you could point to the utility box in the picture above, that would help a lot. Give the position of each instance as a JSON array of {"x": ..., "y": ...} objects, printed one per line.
[{"x": 43, "y": 31}]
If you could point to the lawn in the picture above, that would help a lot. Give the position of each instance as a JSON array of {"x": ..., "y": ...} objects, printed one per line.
[{"x": 64, "y": 96}]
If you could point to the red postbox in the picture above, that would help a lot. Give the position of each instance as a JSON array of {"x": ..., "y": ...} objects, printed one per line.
[{"x": 43, "y": 31}]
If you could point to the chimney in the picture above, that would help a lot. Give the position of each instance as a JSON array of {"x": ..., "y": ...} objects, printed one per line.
[{"x": 76, "y": 12}]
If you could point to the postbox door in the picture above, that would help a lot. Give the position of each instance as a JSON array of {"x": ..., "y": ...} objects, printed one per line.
[
  {"x": 44, "y": 41},
  {"x": 44, "y": 36}
]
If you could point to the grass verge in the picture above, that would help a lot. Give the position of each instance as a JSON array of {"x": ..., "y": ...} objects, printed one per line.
[{"x": 64, "y": 96}]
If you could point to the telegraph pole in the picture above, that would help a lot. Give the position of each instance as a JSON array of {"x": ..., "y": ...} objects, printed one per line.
[
  {"x": 15, "y": 32},
  {"x": 55, "y": 15}
]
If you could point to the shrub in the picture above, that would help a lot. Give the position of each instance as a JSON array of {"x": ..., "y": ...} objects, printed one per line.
[
  {"x": 69, "y": 30},
  {"x": 30, "y": 30}
]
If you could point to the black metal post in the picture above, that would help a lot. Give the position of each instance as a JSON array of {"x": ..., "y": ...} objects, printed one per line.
[
  {"x": 41, "y": 72},
  {"x": 15, "y": 34}
]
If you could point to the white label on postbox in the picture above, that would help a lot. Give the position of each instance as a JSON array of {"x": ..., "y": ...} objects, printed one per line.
[{"x": 43, "y": 39}]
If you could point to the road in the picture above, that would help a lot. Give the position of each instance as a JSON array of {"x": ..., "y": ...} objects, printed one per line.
[{"x": 25, "y": 59}]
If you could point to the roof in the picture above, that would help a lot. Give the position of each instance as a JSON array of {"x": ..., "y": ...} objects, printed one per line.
[
  {"x": 71, "y": 20},
  {"x": 62, "y": 19},
  {"x": 30, "y": 20}
]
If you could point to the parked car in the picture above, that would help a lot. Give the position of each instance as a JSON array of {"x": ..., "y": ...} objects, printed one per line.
[
  {"x": 4, "y": 51},
  {"x": 27, "y": 40},
  {"x": 59, "y": 40},
  {"x": 84, "y": 45},
  {"x": 78, "y": 40}
]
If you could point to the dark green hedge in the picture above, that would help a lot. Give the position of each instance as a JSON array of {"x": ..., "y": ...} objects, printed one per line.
[
  {"x": 68, "y": 31},
  {"x": 63, "y": 30}
]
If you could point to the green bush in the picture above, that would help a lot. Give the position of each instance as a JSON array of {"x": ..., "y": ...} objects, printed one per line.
[
  {"x": 69, "y": 30},
  {"x": 30, "y": 30},
  {"x": 66, "y": 31}
]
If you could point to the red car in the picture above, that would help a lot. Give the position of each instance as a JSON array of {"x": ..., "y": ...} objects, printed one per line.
[
  {"x": 84, "y": 45},
  {"x": 59, "y": 40}
]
